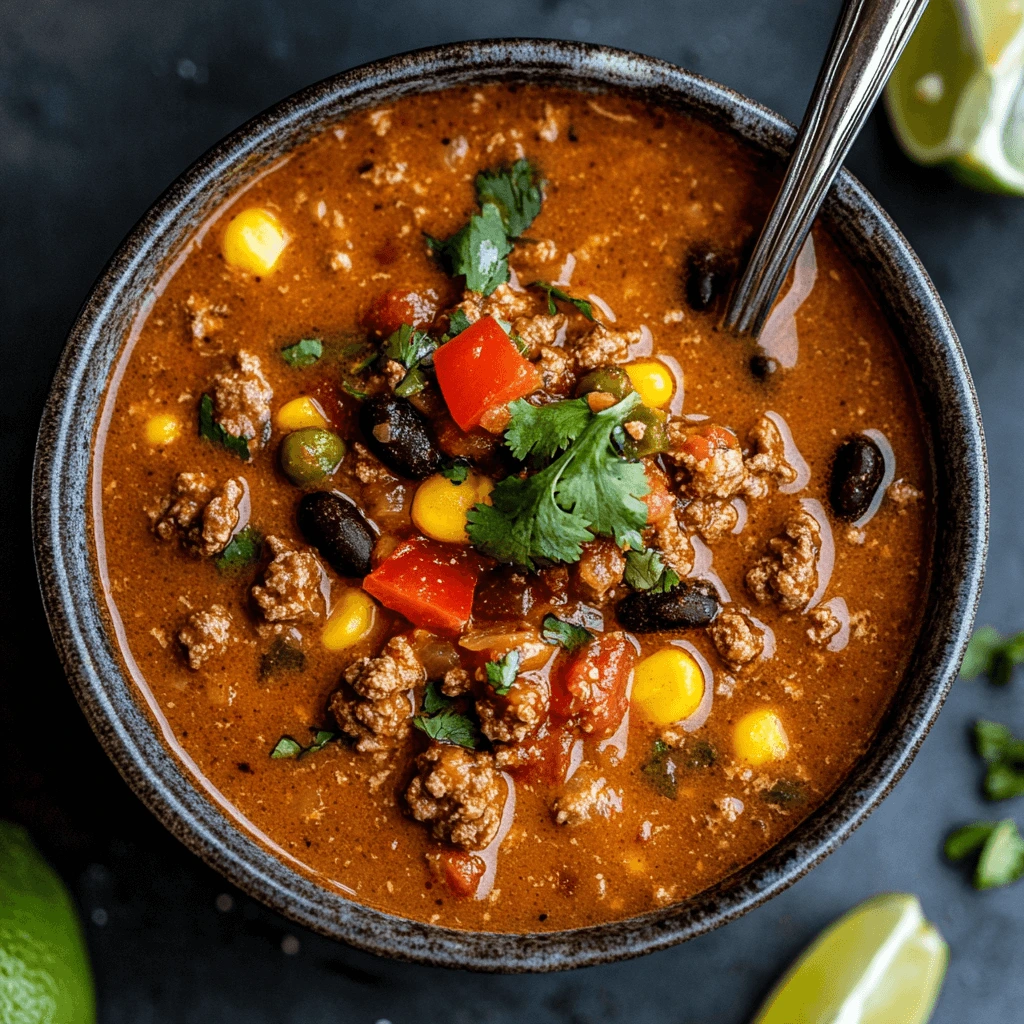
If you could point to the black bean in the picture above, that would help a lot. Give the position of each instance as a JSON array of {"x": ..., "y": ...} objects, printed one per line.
[
  {"x": 398, "y": 435},
  {"x": 707, "y": 276},
  {"x": 762, "y": 366},
  {"x": 690, "y": 604},
  {"x": 337, "y": 529},
  {"x": 857, "y": 471}
]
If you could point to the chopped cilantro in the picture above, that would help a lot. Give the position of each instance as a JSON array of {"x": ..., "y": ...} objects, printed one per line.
[
  {"x": 1004, "y": 755},
  {"x": 645, "y": 570},
  {"x": 588, "y": 490},
  {"x": 410, "y": 347},
  {"x": 479, "y": 251},
  {"x": 303, "y": 353},
  {"x": 660, "y": 770},
  {"x": 286, "y": 746},
  {"x": 700, "y": 754},
  {"x": 434, "y": 700},
  {"x": 356, "y": 392},
  {"x": 1000, "y": 851},
  {"x": 448, "y": 726},
  {"x": 559, "y": 633},
  {"x": 213, "y": 431},
  {"x": 515, "y": 191},
  {"x": 554, "y": 292},
  {"x": 783, "y": 793},
  {"x": 457, "y": 323},
  {"x": 992, "y": 655},
  {"x": 357, "y": 355},
  {"x": 456, "y": 471},
  {"x": 501, "y": 674},
  {"x": 283, "y": 656},
  {"x": 243, "y": 550}
]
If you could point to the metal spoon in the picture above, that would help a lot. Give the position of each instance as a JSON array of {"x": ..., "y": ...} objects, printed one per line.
[{"x": 868, "y": 39}]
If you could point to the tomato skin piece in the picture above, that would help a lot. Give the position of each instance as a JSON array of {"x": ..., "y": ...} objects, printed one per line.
[
  {"x": 543, "y": 757},
  {"x": 462, "y": 872},
  {"x": 594, "y": 683},
  {"x": 431, "y": 584},
  {"x": 392, "y": 309},
  {"x": 705, "y": 442},
  {"x": 481, "y": 368}
]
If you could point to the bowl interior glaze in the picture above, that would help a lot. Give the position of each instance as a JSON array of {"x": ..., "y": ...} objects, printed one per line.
[{"x": 62, "y": 502}]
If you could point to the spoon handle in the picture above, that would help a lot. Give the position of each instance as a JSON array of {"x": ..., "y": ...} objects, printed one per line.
[{"x": 868, "y": 39}]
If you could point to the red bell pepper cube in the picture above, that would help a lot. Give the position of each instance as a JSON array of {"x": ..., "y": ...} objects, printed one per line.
[
  {"x": 430, "y": 584},
  {"x": 481, "y": 368},
  {"x": 591, "y": 686}
]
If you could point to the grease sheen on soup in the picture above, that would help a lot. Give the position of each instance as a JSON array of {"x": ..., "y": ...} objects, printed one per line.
[{"x": 548, "y": 789}]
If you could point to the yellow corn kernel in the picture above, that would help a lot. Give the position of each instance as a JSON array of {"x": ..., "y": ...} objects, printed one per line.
[
  {"x": 440, "y": 506},
  {"x": 653, "y": 381},
  {"x": 352, "y": 618},
  {"x": 254, "y": 240},
  {"x": 299, "y": 413},
  {"x": 161, "y": 429},
  {"x": 759, "y": 738},
  {"x": 668, "y": 686}
]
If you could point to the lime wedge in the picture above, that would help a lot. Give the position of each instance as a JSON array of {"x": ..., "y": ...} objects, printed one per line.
[
  {"x": 955, "y": 95},
  {"x": 44, "y": 968},
  {"x": 882, "y": 963}
]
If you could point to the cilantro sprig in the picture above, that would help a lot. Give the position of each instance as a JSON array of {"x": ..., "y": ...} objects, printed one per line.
[
  {"x": 554, "y": 292},
  {"x": 587, "y": 490},
  {"x": 502, "y": 672},
  {"x": 990, "y": 654},
  {"x": 441, "y": 722},
  {"x": 243, "y": 551},
  {"x": 213, "y": 431},
  {"x": 303, "y": 353},
  {"x": 1000, "y": 850},
  {"x": 645, "y": 570},
  {"x": 1003, "y": 753},
  {"x": 509, "y": 199}
]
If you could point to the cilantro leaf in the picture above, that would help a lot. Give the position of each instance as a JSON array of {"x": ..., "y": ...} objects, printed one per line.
[
  {"x": 479, "y": 251},
  {"x": 515, "y": 191},
  {"x": 448, "y": 726},
  {"x": 554, "y": 292},
  {"x": 457, "y": 323},
  {"x": 700, "y": 754},
  {"x": 783, "y": 793},
  {"x": 434, "y": 700},
  {"x": 303, "y": 353},
  {"x": 991, "y": 655},
  {"x": 559, "y": 633},
  {"x": 545, "y": 430},
  {"x": 588, "y": 489},
  {"x": 660, "y": 770},
  {"x": 286, "y": 746},
  {"x": 349, "y": 388},
  {"x": 645, "y": 570},
  {"x": 501, "y": 674},
  {"x": 1000, "y": 851},
  {"x": 213, "y": 431},
  {"x": 457, "y": 471},
  {"x": 243, "y": 550},
  {"x": 408, "y": 346},
  {"x": 283, "y": 656}
]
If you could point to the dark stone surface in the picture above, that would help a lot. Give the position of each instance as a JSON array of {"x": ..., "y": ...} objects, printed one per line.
[{"x": 101, "y": 105}]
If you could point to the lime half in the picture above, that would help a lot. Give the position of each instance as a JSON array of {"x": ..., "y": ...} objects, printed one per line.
[
  {"x": 882, "y": 963},
  {"x": 44, "y": 968},
  {"x": 956, "y": 96}
]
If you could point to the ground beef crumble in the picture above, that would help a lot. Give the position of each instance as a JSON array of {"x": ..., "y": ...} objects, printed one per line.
[
  {"x": 788, "y": 574},
  {"x": 711, "y": 518},
  {"x": 824, "y": 625},
  {"x": 737, "y": 640},
  {"x": 203, "y": 516},
  {"x": 241, "y": 400},
  {"x": 206, "y": 634},
  {"x": 458, "y": 793},
  {"x": 291, "y": 589},
  {"x": 587, "y": 795},
  {"x": 599, "y": 569},
  {"x": 512, "y": 718},
  {"x": 769, "y": 459},
  {"x": 601, "y": 346}
]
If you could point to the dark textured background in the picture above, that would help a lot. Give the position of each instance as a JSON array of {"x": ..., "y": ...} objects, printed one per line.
[{"x": 101, "y": 105}]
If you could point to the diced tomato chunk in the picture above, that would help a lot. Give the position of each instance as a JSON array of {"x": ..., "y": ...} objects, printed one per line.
[
  {"x": 659, "y": 499},
  {"x": 462, "y": 872},
  {"x": 703, "y": 443},
  {"x": 430, "y": 584},
  {"x": 481, "y": 368},
  {"x": 544, "y": 756},
  {"x": 592, "y": 684},
  {"x": 392, "y": 309}
]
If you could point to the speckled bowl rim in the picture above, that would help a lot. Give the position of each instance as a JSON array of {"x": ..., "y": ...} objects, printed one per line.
[{"x": 81, "y": 630}]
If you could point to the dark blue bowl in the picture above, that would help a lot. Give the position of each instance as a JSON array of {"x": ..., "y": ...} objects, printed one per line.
[{"x": 65, "y": 556}]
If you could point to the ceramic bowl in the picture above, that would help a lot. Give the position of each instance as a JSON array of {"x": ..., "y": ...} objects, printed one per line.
[{"x": 63, "y": 501}]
